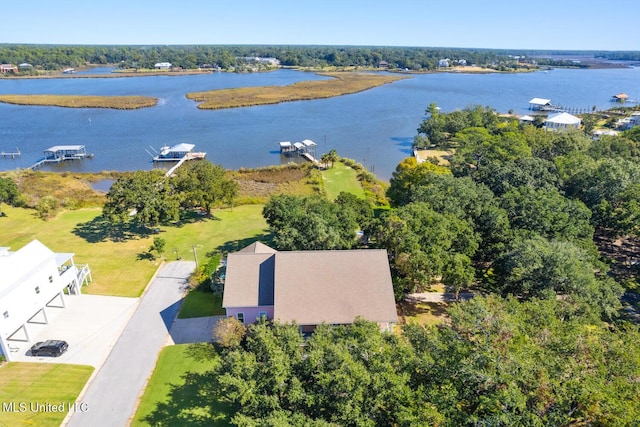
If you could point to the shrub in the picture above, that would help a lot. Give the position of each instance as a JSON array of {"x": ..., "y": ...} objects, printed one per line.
[{"x": 229, "y": 332}]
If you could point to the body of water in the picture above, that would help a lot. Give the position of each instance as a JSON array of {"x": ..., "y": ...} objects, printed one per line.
[{"x": 375, "y": 127}]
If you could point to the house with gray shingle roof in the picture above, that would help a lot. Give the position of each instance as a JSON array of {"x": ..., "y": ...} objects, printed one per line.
[{"x": 309, "y": 287}]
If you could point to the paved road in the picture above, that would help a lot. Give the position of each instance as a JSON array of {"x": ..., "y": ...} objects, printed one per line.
[{"x": 110, "y": 398}]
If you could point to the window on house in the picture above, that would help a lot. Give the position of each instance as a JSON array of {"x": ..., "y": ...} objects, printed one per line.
[
  {"x": 240, "y": 317},
  {"x": 262, "y": 314},
  {"x": 37, "y": 289},
  {"x": 6, "y": 314}
]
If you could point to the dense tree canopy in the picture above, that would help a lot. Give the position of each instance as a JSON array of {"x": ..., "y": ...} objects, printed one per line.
[
  {"x": 424, "y": 244},
  {"x": 203, "y": 184},
  {"x": 144, "y": 197},
  {"x": 496, "y": 362},
  {"x": 9, "y": 192},
  {"x": 52, "y": 57},
  {"x": 312, "y": 222},
  {"x": 149, "y": 198}
]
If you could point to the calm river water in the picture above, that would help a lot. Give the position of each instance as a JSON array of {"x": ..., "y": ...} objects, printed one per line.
[{"x": 375, "y": 127}]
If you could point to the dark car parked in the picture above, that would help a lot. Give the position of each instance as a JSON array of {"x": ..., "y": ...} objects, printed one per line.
[{"x": 52, "y": 348}]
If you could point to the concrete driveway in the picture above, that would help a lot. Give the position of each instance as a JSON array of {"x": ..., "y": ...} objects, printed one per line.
[
  {"x": 110, "y": 397},
  {"x": 195, "y": 330},
  {"x": 91, "y": 324}
]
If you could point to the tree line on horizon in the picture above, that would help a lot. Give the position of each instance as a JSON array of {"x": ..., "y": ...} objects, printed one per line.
[{"x": 57, "y": 57}]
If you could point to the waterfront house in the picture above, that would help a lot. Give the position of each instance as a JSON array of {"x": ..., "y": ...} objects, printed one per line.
[
  {"x": 309, "y": 287},
  {"x": 562, "y": 121},
  {"x": 526, "y": 119},
  {"x": 8, "y": 68},
  {"x": 163, "y": 65},
  {"x": 33, "y": 279}
]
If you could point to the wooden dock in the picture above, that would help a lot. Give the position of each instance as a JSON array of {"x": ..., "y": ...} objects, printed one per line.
[
  {"x": 305, "y": 149},
  {"x": 60, "y": 153},
  {"x": 309, "y": 157},
  {"x": 11, "y": 154}
]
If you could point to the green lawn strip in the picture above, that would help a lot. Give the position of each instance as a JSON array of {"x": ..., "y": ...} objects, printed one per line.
[
  {"x": 174, "y": 395},
  {"x": 33, "y": 385},
  {"x": 121, "y": 268},
  {"x": 341, "y": 178},
  {"x": 200, "y": 304}
]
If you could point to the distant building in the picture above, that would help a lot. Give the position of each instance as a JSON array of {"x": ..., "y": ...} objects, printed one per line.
[
  {"x": 526, "y": 119},
  {"x": 604, "y": 132},
  {"x": 32, "y": 279},
  {"x": 562, "y": 121},
  {"x": 261, "y": 60},
  {"x": 163, "y": 65},
  {"x": 621, "y": 97},
  {"x": 629, "y": 122},
  {"x": 309, "y": 287},
  {"x": 8, "y": 68},
  {"x": 443, "y": 62},
  {"x": 383, "y": 64},
  {"x": 25, "y": 66}
]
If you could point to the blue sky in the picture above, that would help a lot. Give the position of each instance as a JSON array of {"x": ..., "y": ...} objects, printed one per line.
[{"x": 510, "y": 24}]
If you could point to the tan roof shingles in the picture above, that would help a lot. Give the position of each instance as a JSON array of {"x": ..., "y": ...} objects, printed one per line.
[
  {"x": 333, "y": 287},
  {"x": 249, "y": 280}
]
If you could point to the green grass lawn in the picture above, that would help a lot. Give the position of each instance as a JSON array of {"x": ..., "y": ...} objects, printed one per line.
[
  {"x": 119, "y": 263},
  {"x": 39, "y": 383},
  {"x": 199, "y": 304},
  {"x": 341, "y": 178},
  {"x": 174, "y": 395}
]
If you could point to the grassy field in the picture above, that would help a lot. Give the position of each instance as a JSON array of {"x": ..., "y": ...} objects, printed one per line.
[
  {"x": 119, "y": 260},
  {"x": 340, "y": 84},
  {"x": 174, "y": 397},
  {"x": 82, "y": 101},
  {"x": 341, "y": 178},
  {"x": 39, "y": 383}
]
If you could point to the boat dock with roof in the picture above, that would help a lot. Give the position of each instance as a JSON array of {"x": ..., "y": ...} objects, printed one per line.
[
  {"x": 179, "y": 153},
  {"x": 59, "y": 153},
  {"x": 305, "y": 149},
  {"x": 176, "y": 153}
]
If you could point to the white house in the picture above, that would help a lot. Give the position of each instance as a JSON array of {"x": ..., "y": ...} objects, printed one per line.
[
  {"x": 163, "y": 65},
  {"x": 562, "y": 121},
  {"x": 526, "y": 119},
  {"x": 33, "y": 279}
]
